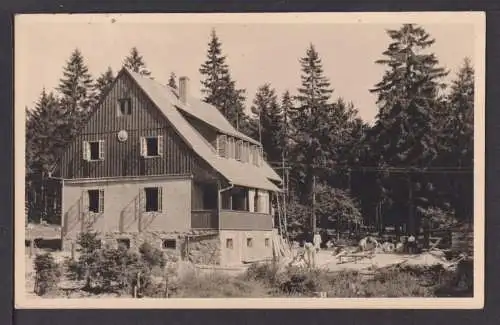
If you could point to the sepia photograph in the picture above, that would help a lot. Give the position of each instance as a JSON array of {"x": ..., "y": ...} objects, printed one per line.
[{"x": 307, "y": 160}]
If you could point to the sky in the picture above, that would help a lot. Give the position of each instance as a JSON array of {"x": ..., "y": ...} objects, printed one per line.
[{"x": 257, "y": 52}]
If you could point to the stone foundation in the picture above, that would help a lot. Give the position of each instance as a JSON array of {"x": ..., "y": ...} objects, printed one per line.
[{"x": 199, "y": 247}]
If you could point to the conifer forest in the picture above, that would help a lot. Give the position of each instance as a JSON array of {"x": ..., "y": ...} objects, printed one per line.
[{"x": 411, "y": 169}]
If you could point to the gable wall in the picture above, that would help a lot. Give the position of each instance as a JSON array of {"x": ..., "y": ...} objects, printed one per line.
[{"x": 123, "y": 158}]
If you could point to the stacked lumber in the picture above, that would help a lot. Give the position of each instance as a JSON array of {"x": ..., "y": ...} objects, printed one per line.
[{"x": 281, "y": 249}]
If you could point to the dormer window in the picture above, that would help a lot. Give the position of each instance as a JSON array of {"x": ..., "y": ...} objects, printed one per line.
[
  {"x": 124, "y": 107},
  {"x": 152, "y": 146},
  {"x": 239, "y": 150},
  {"x": 222, "y": 145}
]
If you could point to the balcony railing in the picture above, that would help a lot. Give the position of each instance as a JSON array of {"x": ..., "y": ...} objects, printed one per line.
[
  {"x": 245, "y": 220},
  {"x": 204, "y": 219}
]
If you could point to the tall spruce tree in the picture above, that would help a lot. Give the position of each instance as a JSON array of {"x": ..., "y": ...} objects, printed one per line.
[
  {"x": 406, "y": 130},
  {"x": 457, "y": 149},
  {"x": 103, "y": 83},
  {"x": 269, "y": 118},
  {"x": 172, "y": 81},
  {"x": 135, "y": 62},
  {"x": 76, "y": 84},
  {"x": 218, "y": 87},
  {"x": 77, "y": 91},
  {"x": 311, "y": 120}
]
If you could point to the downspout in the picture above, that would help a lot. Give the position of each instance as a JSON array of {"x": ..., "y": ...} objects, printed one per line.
[{"x": 219, "y": 202}]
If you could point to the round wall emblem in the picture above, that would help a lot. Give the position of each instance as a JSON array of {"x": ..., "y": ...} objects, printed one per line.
[{"x": 122, "y": 136}]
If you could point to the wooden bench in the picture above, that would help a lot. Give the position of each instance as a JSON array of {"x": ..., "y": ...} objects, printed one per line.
[{"x": 355, "y": 257}]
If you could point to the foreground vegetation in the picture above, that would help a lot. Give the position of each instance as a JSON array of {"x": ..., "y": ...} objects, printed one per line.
[{"x": 147, "y": 273}]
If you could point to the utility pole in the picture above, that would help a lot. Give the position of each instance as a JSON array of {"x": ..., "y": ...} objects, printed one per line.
[
  {"x": 314, "y": 205},
  {"x": 411, "y": 218}
]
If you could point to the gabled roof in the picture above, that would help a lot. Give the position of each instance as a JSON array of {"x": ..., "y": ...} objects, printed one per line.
[{"x": 237, "y": 173}]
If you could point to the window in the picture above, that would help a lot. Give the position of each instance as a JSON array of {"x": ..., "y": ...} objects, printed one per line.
[
  {"x": 123, "y": 242},
  {"x": 169, "y": 243},
  {"x": 152, "y": 146},
  {"x": 229, "y": 243},
  {"x": 153, "y": 199},
  {"x": 96, "y": 201},
  {"x": 124, "y": 107},
  {"x": 239, "y": 150},
  {"x": 222, "y": 145},
  {"x": 231, "y": 150},
  {"x": 249, "y": 242},
  {"x": 93, "y": 150},
  {"x": 266, "y": 242}
]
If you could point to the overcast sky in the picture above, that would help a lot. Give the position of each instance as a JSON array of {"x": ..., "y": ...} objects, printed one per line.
[{"x": 256, "y": 52}]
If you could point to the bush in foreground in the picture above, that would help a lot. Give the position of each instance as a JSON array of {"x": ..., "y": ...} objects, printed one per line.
[{"x": 47, "y": 273}]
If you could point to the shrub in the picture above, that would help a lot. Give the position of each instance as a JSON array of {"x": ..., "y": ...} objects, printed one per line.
[
  {"x": 47, "y": 273},
  {"x": 265, "y": 272},
  {"x": 301, "y": 281},
  {"x": 152, "y": 256}
]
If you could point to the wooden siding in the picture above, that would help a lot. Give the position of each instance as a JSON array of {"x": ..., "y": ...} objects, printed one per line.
[
  {"x": 123, "y": 158},
  {"x": 244, "y": 220}
]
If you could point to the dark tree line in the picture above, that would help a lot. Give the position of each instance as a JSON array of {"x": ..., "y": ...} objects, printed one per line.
[{"x": 411, "y": 169}]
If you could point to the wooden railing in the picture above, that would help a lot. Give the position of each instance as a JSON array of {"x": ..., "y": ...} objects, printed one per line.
[
  {"x": 245, "y": 220},
  {"x": 204, "y": 219}
]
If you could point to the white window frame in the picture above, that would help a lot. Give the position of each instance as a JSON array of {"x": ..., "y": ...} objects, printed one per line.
[
  {"x": 100, "y": 207},
  {"x": 144, "y": 146},
  {"x": 87, "y": 154},
  {"x": 238, "y": 152}
]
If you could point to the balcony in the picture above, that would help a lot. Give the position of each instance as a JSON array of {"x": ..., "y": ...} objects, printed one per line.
[
  {"x": 230, "y": 220},
  {"x": 204, "y": 219},
  {"x": 245, "y": 220}
]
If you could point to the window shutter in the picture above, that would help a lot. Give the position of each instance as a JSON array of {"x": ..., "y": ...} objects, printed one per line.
[
  {"x": 86, "y": 151},
  {"x": 160, "y": 145},
  {"x": 101, "y": 149},
  {"x": 160, "y": 199},
  {"x": 101, "y": 201},
  {"x": 85, "y": 201},
  {"x": 142, "y": 200},
  {"x": 144, "y": 147}
]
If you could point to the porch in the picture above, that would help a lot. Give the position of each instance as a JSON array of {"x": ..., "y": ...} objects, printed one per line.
[{"x": 237, "y": 208}]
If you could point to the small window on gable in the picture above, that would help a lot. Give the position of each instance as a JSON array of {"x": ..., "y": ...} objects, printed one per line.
[
  {"x": 229, "y": 243},
  {"x": 266, "y": 242},
  {"x": 96, "y": 201},
  {"x": 152, "y": 146},
  {"x": 153, "y": 199},
  {"x": 169, "y": 244},
  {"x": 249, "y": 242},
  {"x": 93, "y": 150},
  {"x": 124, "y": 107}
]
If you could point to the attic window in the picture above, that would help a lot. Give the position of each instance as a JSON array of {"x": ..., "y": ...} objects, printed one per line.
[
  {"x": 152, "y": 146},
  {"x": 93, "y": 150},
  {"x": 124, "y": 107}
]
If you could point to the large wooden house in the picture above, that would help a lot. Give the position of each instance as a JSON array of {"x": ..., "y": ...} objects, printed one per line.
[{"x": 156, "y": 164}]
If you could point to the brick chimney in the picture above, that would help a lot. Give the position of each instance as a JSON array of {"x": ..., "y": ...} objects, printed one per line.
[{"x": 183, "y": 89}]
